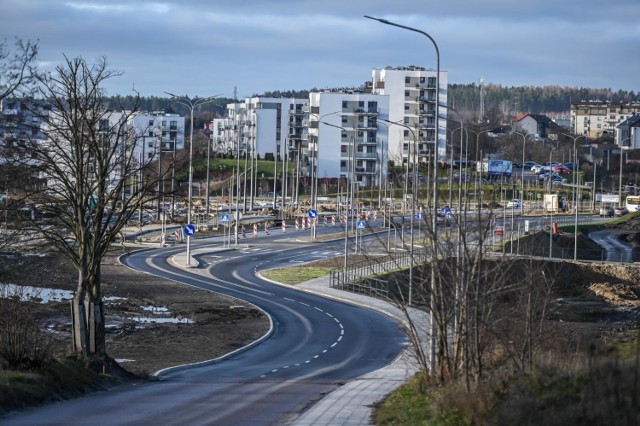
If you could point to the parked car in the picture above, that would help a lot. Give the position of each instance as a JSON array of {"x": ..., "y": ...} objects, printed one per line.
[
  {"x": 529, "y": 164},
  {"x": 464, "y": 176},
  {"x": 514, "y": 204},
  {"x": 620, "y": 211},
  {"x": 536, "y": 168},
  {"x": 572, "y": 166},
  {"x": 607, "y": 211},
  {"x": 562, "y": 169},
  {"x": 544, "y": 175}
]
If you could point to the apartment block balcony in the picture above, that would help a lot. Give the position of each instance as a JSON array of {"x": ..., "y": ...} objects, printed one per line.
[
  {"x": 365, "y": 171},
  {"x": 367, "y": 155}
]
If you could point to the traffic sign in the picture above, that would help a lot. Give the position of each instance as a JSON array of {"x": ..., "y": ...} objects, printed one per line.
[
  {"x": 313, "y": 214},
  {"x": 224, "y": 218},
  {"x": 419, "y": 215},
  {"x": 361, "y": 224},
  {"x": 189, "y": 230}
]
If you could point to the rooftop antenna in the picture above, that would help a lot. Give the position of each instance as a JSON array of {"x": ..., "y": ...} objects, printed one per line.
[{"x": 481, "y": 117}]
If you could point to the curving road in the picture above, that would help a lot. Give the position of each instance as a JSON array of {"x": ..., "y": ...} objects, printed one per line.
[
  {"x": 315, "y": 345},
  {"x": 609, "y": 240}
]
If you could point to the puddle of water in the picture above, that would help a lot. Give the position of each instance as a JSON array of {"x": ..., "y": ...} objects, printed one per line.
[
  {"x": 154, "y": 320},
  {"x": 35, "y": 294},
  {"x": 46, "y": 295}
]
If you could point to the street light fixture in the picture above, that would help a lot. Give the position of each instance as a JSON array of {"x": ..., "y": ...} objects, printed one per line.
[
  {"x": 620, "y": 177},
  {"x": 315, "y": 170},
  {"x": 191, "y": 104},
  {"x": 350, "y": 178},
  {"x": 435, "y": 182},
  {"x": 575, "y": 195},
  {"x": 411, "y": 158},
  {"x": 524, "y": 143}
]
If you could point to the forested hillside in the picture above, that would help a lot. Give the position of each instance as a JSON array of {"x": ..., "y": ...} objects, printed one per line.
[{"x": 499, "y": 101}]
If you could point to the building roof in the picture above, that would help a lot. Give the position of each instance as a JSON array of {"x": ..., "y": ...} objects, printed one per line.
[
  {"x": 632, "y": 121},
  {"x": 540, "y": 118}
]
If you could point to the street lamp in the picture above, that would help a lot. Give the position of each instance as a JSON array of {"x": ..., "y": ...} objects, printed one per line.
[
  {"x": 411, "y": 158},
  {"x": 350, "y": 178},
  {"x": 478, "y": 175},
  {"x": 620, "y": 177},
  {"x": 314, "y": 169},
  {"x": 575, "y": 195},
  {"x": 524, "y": 143},
  {"x": 191, "y": 104},
  {"x": 435, "y": 181}
]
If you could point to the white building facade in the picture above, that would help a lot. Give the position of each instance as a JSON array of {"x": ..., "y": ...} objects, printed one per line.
[
  {"x": 412, "y": 96},
  {"x": 345, "y": 137},
  {"x": 597, "y": 119},
  {"x": 156, "y": 132}
]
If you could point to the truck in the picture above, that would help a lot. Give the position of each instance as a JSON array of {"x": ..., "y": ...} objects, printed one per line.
[
  {"x": 555, "y": 203},
  {"x": 495, "y": 169}
]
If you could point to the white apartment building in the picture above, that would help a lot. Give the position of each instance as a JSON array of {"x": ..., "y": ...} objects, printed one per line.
[
  {"x": 412, "y": 96},
  {"x": 596, "y": 119},
  {"x": 261, "y": 126},
  {"x": 156, "y": 132},
  {"x": 344, "y": 135}
]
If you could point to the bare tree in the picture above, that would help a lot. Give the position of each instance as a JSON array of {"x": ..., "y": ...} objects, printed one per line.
[
  {"x": 17, "y": 75},
  {"x": 88, "y": 160},
  {"x": 17, "y": 67}
]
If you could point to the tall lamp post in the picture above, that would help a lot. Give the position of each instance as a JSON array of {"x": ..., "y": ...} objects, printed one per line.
[
  {"x": 350, "y": 179},
  {"x": 477, "y": 176},
  {"x": 575, "y": 195},
  {"x": 435, "y": 181},
  {"x": 620, "y": 177},
  {"x": 524, "y": 143},
  {"x": 191, "y": 104},
  {"x": 315, "y": 170},
  {"x": 414, "y": 195}
]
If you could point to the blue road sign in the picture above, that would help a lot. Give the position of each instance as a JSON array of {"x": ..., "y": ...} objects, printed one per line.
[
  {"x": 189, "y": 230},
  {"x": 419, "y": 215},
  {"x": 224, "y": 218},
  {"x": 361, "y": 224},
  {"x": 313, "y": 214}
]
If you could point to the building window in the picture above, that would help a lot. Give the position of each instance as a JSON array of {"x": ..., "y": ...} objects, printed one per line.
[
  {"x": 150, "y": 122},
  {"x": 407, "y": 93},
  {"x": 406, "y": 107},
  {"x": 343, "y": 148},
  {"x": 345, "y": 104},
  {"x": 422, "y": 79},
  {"x": 407, "y": 80}
]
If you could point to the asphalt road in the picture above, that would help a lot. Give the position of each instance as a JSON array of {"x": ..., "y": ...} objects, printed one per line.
[{"x": 315, "y": 345}]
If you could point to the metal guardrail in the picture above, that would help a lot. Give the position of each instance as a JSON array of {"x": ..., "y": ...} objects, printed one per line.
[{"x": 356, "y": 272}]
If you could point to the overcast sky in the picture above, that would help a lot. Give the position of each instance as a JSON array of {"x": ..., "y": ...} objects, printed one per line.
[{"x": 208, "y": 47}]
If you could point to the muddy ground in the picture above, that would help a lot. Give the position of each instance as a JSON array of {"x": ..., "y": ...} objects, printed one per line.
[
  {"x": 200, "y": 325},
  {"x": 151, "y": 323}
]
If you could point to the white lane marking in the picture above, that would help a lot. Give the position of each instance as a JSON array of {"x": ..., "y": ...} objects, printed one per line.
[
  {"x": 210, "y": 281},
  {"x": 324, "y": 351}
]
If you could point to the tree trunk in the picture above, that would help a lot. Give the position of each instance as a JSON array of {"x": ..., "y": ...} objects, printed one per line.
[{"x": 79, "y": 330}]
